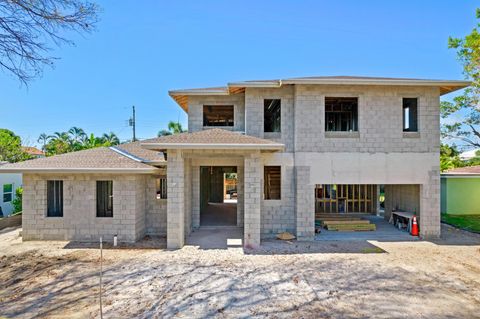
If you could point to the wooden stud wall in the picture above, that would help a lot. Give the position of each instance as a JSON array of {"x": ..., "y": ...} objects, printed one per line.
[{"x": 354, "y": 198}]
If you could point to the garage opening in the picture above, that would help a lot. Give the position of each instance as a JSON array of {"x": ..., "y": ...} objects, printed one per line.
[
  {"x": 218, "y": 196},
  {"x": 365, "y": 211}
]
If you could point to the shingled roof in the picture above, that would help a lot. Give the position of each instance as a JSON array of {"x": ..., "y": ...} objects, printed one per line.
[
  {"x": 211, "y": 139},
  {"x": 101, "y": 159},
  {"x": 468, "y": 170}
]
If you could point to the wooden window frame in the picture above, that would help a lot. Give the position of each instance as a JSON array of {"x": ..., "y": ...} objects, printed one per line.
[
  {"x": 341, "y": 114},
  {"x": 267, "y": 180},
  {"x": 227, "y": 121}
]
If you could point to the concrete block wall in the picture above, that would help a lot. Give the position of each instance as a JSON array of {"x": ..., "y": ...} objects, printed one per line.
[
  {"x": 379, "y": 120},
  {"x": 195, "y": 110},
  {"x": 279, "y": 215},
  {"x": 175, "y": 200},
  {"x": 430, "y": 205},
  {"x": 156, "y": 209},
  {"x": 195, "y": 196},
  {"x": 188, "y": 196},
  {"x": 305, "y": 204},
  {"x": 79, "y": 221},
  {"x": 252, "y": 181},
  {"x": 402, "y": 197},
  {"x": 254, "y": 117}
]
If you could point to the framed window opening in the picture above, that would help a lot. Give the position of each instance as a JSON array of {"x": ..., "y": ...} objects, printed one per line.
[
  {"x": 54, "y": 198},
  {"x": 410, "y": 114},
  {"x": 272, "y": 115},
  {"x": 341, "y": 114},
  {"x": 272, "y": 182},
  {"x": 7, "y": 193},
  {"x": 104, "y": 198},
  {"x": 218, "y": 115},
  {"x": 161, "y": 187}
]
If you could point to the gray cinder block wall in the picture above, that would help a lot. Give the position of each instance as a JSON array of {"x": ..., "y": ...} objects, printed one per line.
[{"x": 79, "y": 221}]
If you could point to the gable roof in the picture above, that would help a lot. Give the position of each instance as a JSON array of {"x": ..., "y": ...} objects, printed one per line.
[
  {"x": 463, "y": 171},
  {"x": 99, "y": 160},
  {"x": 33, "y": 151},
  {"x": 445, "y": 86},
  {"x": 211, "y": 139}
]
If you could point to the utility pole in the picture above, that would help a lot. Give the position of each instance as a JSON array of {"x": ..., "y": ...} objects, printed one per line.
[{"x": 131, "y": 123}]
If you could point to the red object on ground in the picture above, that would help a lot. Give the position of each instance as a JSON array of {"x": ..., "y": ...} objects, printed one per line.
[{"x": 414, "y": 226}]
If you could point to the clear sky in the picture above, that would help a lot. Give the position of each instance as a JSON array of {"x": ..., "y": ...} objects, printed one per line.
[{"x": 142, "y": 49}]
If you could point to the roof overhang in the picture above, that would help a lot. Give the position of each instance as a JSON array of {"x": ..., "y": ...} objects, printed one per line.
[
  {"x": 213, "y": 146},
  {"x": 445, "y": 86},
  {"x": 56, "y": 170}
]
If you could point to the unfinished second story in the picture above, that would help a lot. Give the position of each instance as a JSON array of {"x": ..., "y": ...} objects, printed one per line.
[{"x": 326, "y": 114}]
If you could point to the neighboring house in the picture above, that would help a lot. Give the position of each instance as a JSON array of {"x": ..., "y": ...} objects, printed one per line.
[
  {"x": 299, "y": 147},
  {"x": 468, "y": 155},
  {"x": 460, "y": 191},
  {"x": 33, "y": 151},
  {"x": 9, "y": 182}
]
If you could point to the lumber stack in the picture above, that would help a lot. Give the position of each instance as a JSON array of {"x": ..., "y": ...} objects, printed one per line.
[{"x": 345, "y": 222}]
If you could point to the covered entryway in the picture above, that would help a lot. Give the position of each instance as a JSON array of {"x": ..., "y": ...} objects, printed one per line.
[{"x": 218, "y": 196}]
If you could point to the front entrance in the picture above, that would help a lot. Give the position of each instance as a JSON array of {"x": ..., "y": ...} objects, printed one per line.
[{"x": 218, "y": 196}]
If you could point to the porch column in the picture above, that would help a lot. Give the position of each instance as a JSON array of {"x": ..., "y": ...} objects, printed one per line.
[
  {"x": 175, "y": 200},
  {"x": 304, "y": 204},
  {"x": 430, "y": 206},
  {"x": 252, "y": 193}
]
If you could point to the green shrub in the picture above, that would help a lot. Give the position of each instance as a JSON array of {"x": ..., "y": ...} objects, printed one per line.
[{"x": 17, "y": 201}]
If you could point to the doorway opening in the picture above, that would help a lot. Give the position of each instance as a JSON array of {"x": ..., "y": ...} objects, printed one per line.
[{"x": 218, "y": 196}]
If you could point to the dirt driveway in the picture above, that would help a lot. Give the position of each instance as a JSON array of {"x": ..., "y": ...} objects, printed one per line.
[{"x": 328, "y": 280}]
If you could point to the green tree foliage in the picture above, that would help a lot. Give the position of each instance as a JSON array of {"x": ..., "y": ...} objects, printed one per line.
[
  {"x": 75, "y": 139},
  {"x": 11, "y": 147},
  {"x": 173, "y": 128},
  {"x": 466, "y": 129},
  {"x": 17, "y": 201},
  {"x": 449, "y": 157}
]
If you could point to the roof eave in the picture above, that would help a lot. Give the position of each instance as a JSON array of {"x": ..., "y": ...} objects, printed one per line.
[
  {"x": 81, "y": 170},
  {"x": 258, "y": 84},
  {"x": 213, "y": 146}
]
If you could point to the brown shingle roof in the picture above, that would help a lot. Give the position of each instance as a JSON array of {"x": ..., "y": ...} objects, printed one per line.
[
  {"x": 211, "y": 138},
  {"x": 32, "y": 150},
  {"x": 96, "y": 159},
  {"x": 468, "y": 170},
  {"x": 137, "y": 150}
]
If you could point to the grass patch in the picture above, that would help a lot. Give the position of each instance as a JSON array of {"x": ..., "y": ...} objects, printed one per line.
[
  {"x": 467, "y": 222},
  {"x": 372, "y": 250}
]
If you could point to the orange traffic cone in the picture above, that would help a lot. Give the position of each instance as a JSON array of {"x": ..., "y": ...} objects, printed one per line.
[{"x": 414, "y": 231}]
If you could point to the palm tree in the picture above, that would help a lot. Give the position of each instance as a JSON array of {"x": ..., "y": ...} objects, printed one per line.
[
  {"x": 44, "y": 139},
  {"x": 62, "y": 136},
  {"x": 175, "y": 127},
  {"x": 111, "y": 138},
  {"x": 78, "y": 134}
]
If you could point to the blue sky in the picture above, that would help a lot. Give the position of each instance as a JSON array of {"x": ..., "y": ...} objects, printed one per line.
[{"x": 142, "y": 49}]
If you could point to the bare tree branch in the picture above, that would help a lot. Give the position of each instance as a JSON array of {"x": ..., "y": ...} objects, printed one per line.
[{"x": 27, "y": 26}]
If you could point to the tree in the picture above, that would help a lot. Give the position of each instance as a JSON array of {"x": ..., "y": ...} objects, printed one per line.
[
  {"x": 468, "y": 129},
  {"x": 173, "y": 128},
  {"x": 44, "y": 139},
  {"x": 17, "y": 201},
  {"x": 11, "y": 147},
  {"x": 110, "y": 139},
  {"x": 28, "y": 28},
  {"x": 449, "y": 157}
]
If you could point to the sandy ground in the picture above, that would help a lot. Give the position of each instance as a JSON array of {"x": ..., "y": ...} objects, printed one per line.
[{"x": 326, "y": 280}]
